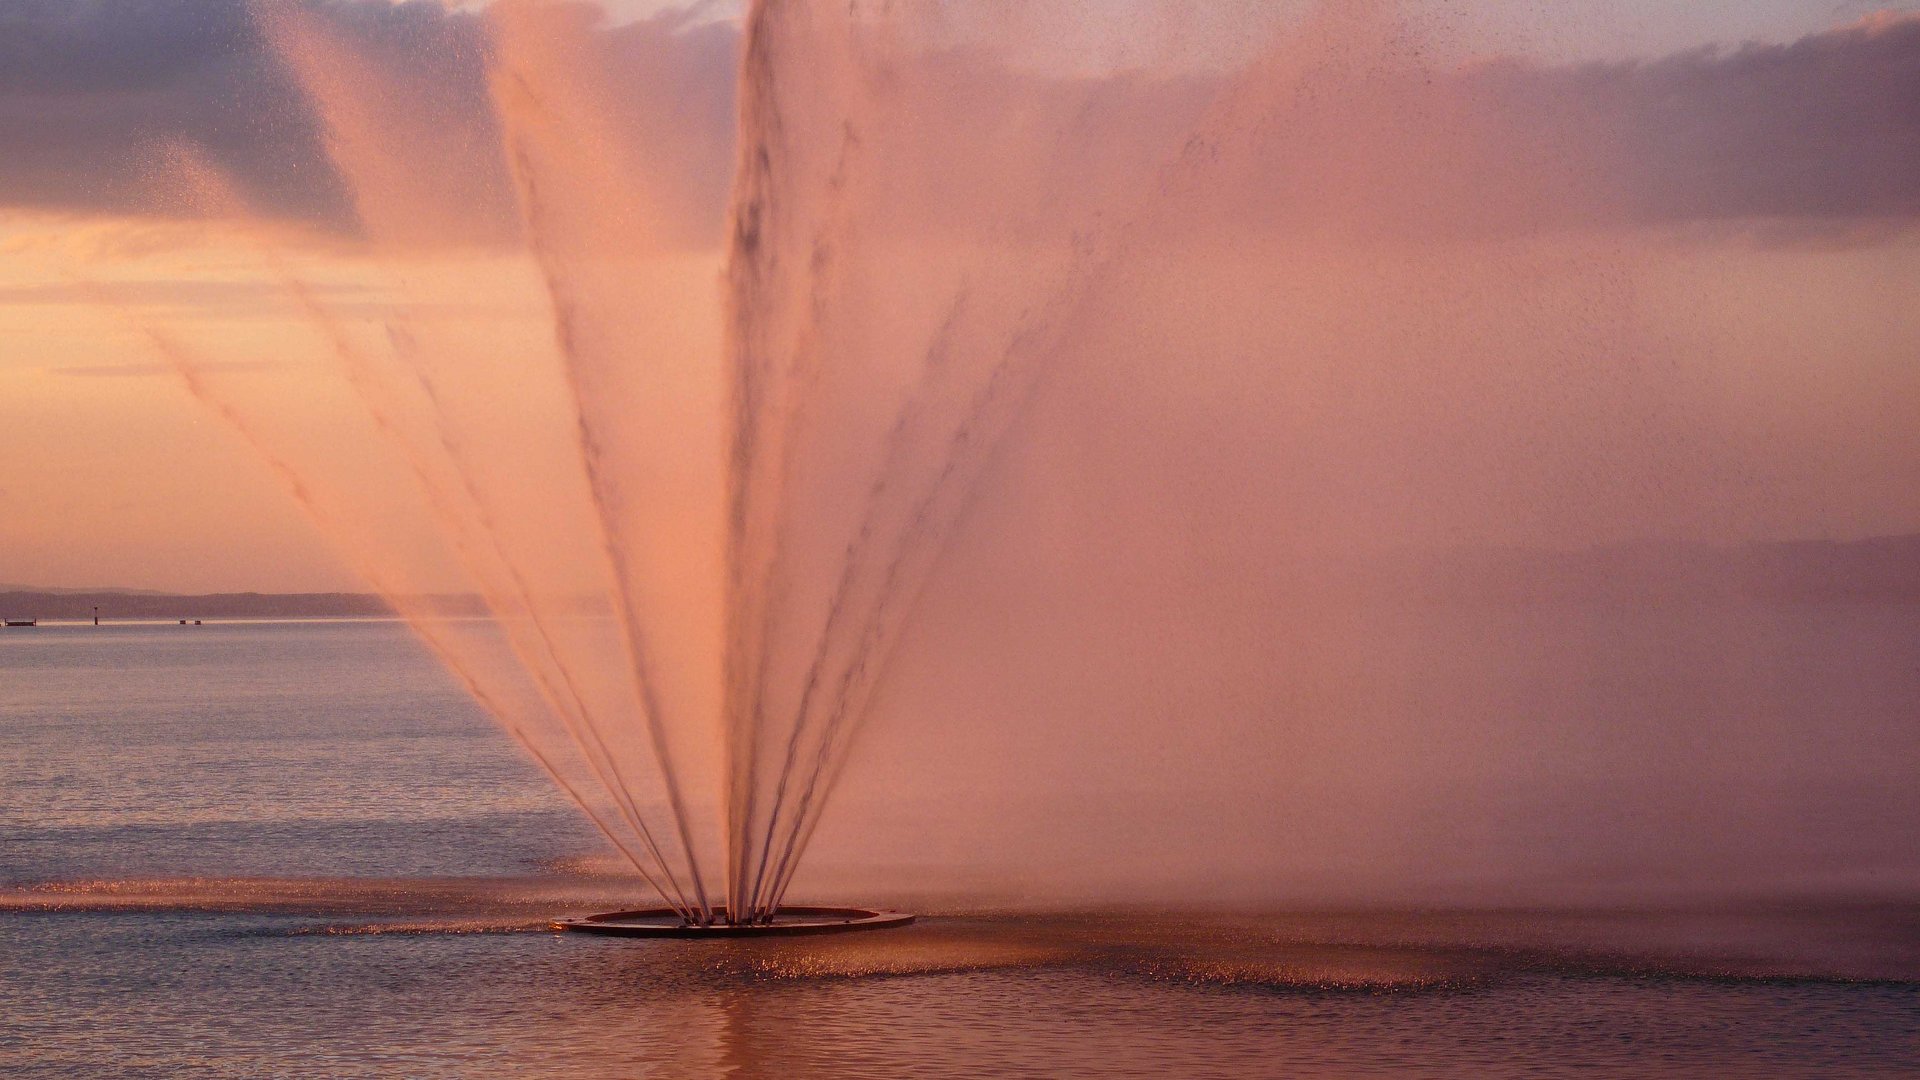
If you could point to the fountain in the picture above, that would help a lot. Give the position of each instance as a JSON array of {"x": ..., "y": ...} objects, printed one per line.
[
  {"x": 699, "y": 527},
  {"x": 598, "y": 654}
]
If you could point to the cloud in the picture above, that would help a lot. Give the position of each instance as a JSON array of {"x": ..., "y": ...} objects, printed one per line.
[
  {"x": 169, "y": 293},
  {"x": 92, "y": 94},
  {"x": 158, "y": 370},
  {"x": 86, "y": 90},
  {"x": 1827, "y": 127},
  {"x": 1825, "y": 130}
]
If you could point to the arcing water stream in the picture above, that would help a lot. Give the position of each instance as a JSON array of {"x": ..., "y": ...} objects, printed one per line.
[{"x": 700, "y": 483}]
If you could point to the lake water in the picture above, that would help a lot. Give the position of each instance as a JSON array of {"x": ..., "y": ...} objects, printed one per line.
[{"x": 294, "y": 849}]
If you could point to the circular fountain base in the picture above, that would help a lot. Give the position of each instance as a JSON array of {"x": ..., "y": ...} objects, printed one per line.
[{"x": 668, "y": 923}]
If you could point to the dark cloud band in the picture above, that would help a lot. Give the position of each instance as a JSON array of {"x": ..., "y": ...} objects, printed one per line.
[{"x": 1825, "y": 129}]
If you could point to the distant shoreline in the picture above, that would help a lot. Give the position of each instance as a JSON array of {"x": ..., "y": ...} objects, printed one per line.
[
  {"x": 237, "y": 620},
  {"x": 1882, "y": 569},
  {"x": 170, "y": 607}
]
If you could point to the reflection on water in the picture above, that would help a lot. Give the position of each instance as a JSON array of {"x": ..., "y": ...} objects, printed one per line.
[
  {"x": 238, "y": 748},
  {"x": 454, "y": 979}
]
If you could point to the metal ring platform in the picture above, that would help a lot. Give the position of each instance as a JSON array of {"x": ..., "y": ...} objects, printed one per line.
[{"x": 788, "y": 921}]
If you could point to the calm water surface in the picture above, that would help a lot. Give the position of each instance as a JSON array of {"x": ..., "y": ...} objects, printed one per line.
[{"x": 220, "y": 856}]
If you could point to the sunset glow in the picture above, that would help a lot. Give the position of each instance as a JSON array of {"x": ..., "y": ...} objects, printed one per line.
[{"x": 1130, "y": 499}]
